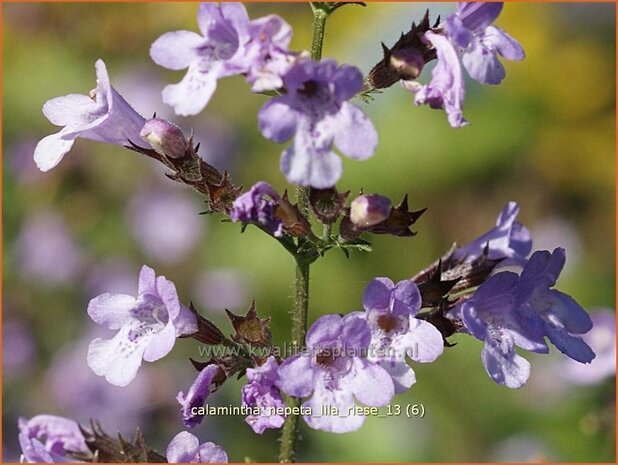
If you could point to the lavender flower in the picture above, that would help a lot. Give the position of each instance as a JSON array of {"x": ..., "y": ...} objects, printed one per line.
[
  {"x": 186, "y": 448},
  {"x": 469, "y": 29},
  {"x": 510, "y": 310},
  {"x": 316, "y": 111},
  {"x": 148, "y": 327},
  {"x": 369, "y": 210},
  {"x": 602, "y": 339},
  {"x": 509, "y": 240},
  {"x": 18, "y": 347},
  {"x": 390, "y": 311},
  {"x": 46, "y": 251},
  {"x": 446, "y": 89},
  {"x": 336, "y": 371},
  {"x": 104, "y": 116},
  {"x": 33, "y": 451},
  {"x": 229, "y": 44},
  {"x": 259, "y": 206},
  {"x": 165, "y": 223},
  {"x": 261, "y": 391},
  {"x": 49, "y": 438},
  {"x": 197, "y": 395}
]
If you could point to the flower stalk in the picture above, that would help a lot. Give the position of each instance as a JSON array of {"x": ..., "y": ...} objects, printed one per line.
[{"x": 300, "y": 310}]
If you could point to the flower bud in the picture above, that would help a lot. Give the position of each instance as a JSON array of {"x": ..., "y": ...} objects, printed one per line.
[
  {"x": 165, "y": 138},
  {"x": 407, "y": 62},
  {"x": 369, "y": 210}
]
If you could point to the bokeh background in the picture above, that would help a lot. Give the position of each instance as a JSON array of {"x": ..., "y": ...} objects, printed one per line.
[{"x": 545, "y": 138}]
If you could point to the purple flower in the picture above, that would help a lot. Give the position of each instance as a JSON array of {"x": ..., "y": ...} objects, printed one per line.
[
  {"x": 261, "y": 392},
  {"x": 46, "y": 252},
  {"x": 469, "y": 29},
  {"x": 50, "y": 438},
  {"x": 561, "y": 315},
  {"x": 18, "y": 347},
  {"x": 259, "y": 206},
  {"x": 148, "y": 327},
  {"x": 509, "y": 310},
  {"x": 602, "y": 339},
  {"x": 446, "y": 89},
  {"x": 369, "y": 210},
  {"x": 266, "y": 53},
  {"x": 165, "y": 223},
  {"x": 186, "y": 448},
  {"x": 509, "y": 240},
  {"x": 335, "y": 369},
  {"x": 396, "y": 334},
  {"x": 33, "y": 451},
  {"x": 104, "y": 116},
  {"x": 229, "y": 44},
  {"x": 315, "y": 110},
  {"x": 197, "y": 395}
]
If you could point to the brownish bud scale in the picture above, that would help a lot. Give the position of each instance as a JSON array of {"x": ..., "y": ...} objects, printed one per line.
[
  {"x": 434, "y": 289},
  {"x": 251, "y": 329},
  {"x": 369, "y": 210},
  {"x": 107, "y": 449},
  {"x": 164, "y": 137},
  {"x": 294, "y": 222}
]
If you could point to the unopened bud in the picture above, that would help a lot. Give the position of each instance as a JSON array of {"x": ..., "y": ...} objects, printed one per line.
[
  {"x": 408, "y": 63},
  {"x": 369, "y": 210},
  {"x": 164, "y": 137}
]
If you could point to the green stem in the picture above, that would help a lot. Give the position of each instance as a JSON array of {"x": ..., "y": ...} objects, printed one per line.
[{"x": 289, "y": 435}]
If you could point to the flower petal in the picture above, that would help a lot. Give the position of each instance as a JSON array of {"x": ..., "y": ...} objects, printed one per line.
[
  {"x": 377, "y": 295},
  {"x": 501, "y": 362},
  {"x": 160, "y": 344},
  {"x": 324, "y": 331},
  {"x": 571, "y": 346},
  {"x": 277, "y": 121},
  {"x": 482, "y": 64},
  {"x": 167, "y": 291},
  {"x": 304, "y": 165},
  {"x": 370, "y": 383},
  {"x": 334, "y": 398},
  {"x": 193, "y": 93},
  {"x": 175, "y": 50},
  {"x": 355, "y": 134},
  {"x": 296, "y": 376},
  {"x": 51, "y": 149},
  {"x": 147, "y": 281},
  {"x": 185, "y": 323},
  {"x": 183, "y": 448},
  {"x": 506, "y": 45},
  {"x": 115, "y": 359},
  {"x": 212, "y": 453},
  {"x": 72, "y": 110},
  {"x": 402, "y": 375},
  {"x": 111, "y": 310},
  {"x": 423, "y": 342}
]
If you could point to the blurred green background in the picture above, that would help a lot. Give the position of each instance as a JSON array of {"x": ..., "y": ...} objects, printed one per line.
[{"x": 545, "y": 138}]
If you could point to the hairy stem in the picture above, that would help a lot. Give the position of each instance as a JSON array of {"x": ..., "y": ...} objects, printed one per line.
[{"x": 289, "y": 435}]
